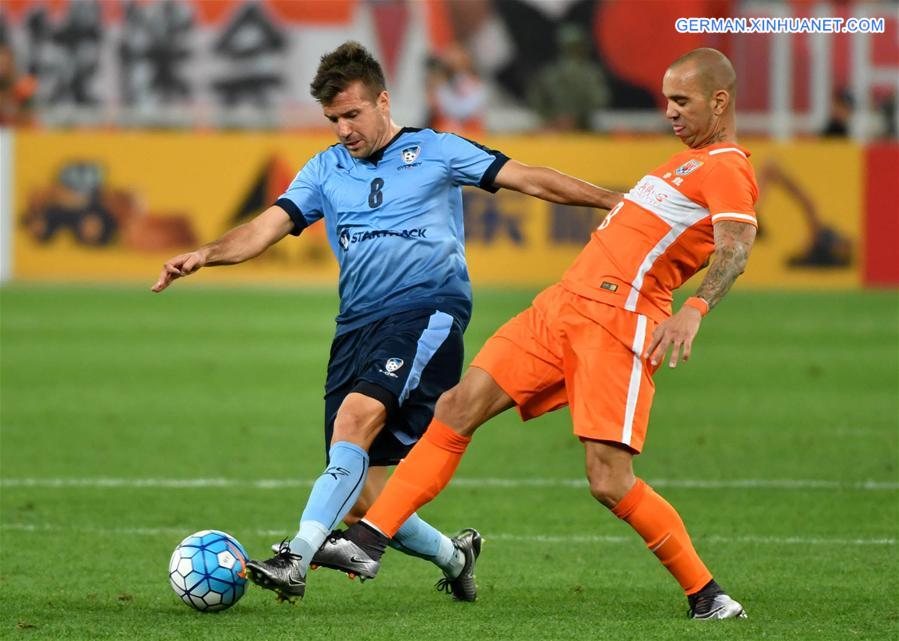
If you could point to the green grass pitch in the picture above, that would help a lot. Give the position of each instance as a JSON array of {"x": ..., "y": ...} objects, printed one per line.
[{"x": 777, "y": 443}]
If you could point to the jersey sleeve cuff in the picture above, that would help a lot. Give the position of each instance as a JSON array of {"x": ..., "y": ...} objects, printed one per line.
[
  {"x": 299, "y": 221},
  {"x": 739, "y": 218},
  {"x": 490, "y": 175}
]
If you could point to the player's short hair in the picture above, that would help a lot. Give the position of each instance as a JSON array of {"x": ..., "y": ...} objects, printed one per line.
[
  {"x": 347, "y": 64},
  {"x": 715, "y": 69}
]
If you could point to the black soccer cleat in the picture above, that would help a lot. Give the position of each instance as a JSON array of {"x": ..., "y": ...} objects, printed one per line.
[
  {"x": 463, "y": 587},
  {"x": 716, "y": 606},
  {"x": 341, "y": 554},
  {"x": 283, "y": 573}
]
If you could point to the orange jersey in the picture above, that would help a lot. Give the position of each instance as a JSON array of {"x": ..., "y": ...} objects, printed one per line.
[{"x": 661, "y": 233}]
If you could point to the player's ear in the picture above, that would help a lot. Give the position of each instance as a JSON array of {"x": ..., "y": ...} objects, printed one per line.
[
  {"x": 720, "y": 101},
  {"x": 383, "y": 101}
]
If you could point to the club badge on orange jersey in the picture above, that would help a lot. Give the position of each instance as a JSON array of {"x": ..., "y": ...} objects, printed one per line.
[{"x": 688, "y": 167}]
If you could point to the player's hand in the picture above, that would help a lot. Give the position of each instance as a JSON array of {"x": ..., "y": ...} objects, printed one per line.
[
  {"x": 676, "y": 333},
  {"x": 181, "y": 265}
]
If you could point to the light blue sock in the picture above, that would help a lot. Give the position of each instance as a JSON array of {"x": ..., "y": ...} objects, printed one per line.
[
  {"x": 332, "y": 496},
  {"x": 419, "y": 538}
]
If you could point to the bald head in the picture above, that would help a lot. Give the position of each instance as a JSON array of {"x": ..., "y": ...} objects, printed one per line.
[
  {"x": 710, "y": 69},
  {"x": 699, "y": 89}
]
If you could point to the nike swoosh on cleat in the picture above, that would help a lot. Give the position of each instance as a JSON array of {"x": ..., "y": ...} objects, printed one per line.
[{"x": 356, "y": 559}]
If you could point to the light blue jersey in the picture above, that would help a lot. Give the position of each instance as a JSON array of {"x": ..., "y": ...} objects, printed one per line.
[{"x": 394, "y": 221}]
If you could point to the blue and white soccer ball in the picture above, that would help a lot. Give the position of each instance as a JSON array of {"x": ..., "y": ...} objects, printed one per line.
[{"x": 208, "y": 570}]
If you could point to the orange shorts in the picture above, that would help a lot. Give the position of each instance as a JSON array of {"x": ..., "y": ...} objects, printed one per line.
[{"x": 569, "y": 350}]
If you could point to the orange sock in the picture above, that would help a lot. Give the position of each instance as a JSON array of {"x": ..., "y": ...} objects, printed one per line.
[
  {"x": 663, "y": 530},
  {"x": 419, "y": 477}
]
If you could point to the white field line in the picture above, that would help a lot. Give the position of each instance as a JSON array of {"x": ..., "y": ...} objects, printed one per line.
[
  {"x": 277, "y": 484},
  {"x": 492, "y": 536},
  {"x": 764, "y": 540}
]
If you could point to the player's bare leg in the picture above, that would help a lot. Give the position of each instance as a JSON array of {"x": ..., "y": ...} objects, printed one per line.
[
  {"x": 474, "y": 401},
  {"x": 422, "y": 475},
  {"x": 613, "y": 483}
]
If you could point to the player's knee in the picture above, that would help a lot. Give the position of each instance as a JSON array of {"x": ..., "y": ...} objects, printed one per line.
[
  {"x": 472, "y": 402},
  {"x": 349, "y": 427},
  {"x": 603, "y": 491},
  {"x": 456, "y": 409},
  {"x": 448, "y": 405},
  {"x": 610, "y": 471},
  {"x": 608, "y": 487},
  {"x": 357, "y": 427}
]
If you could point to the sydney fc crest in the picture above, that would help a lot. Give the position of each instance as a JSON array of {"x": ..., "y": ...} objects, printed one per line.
[
  {"x": 391, "y": 366},
  {"x": 410, "y": 154}
]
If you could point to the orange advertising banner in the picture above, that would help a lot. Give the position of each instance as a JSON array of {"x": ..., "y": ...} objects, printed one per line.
[{"x": 114, "y": 206}]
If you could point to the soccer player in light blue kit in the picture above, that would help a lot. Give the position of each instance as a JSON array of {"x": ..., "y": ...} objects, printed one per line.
[{"x": 391, "y": 201}]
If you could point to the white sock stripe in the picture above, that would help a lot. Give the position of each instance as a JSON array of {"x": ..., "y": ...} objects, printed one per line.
[
  {"x": 279, "y": 484},
  {"x": 661, "y": 543},
  {"x": 178, "y": 532}
]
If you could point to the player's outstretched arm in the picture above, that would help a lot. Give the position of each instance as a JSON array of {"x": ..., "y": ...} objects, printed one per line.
[
  {"x": 733, "y": 242},
  {"x": 239, "y": 244},
  {"x": 554, "y": 186}
]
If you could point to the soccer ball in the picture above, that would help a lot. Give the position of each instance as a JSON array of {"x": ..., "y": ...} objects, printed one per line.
[{"x": 208, "y": 570}]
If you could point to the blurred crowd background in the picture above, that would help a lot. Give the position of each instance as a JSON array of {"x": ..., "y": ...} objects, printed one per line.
[
  {"x": 472, "y": 65},
  {"x": 135, "y": 129}
]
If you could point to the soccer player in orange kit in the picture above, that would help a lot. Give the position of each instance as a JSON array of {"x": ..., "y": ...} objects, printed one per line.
[{"x": 593, "y": 340}]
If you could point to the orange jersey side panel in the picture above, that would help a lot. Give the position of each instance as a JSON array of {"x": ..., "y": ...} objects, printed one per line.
[{"x": 662, "y": 233}]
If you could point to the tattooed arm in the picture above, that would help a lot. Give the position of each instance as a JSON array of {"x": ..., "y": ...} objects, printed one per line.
[{"x": 733, "y": 242}]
